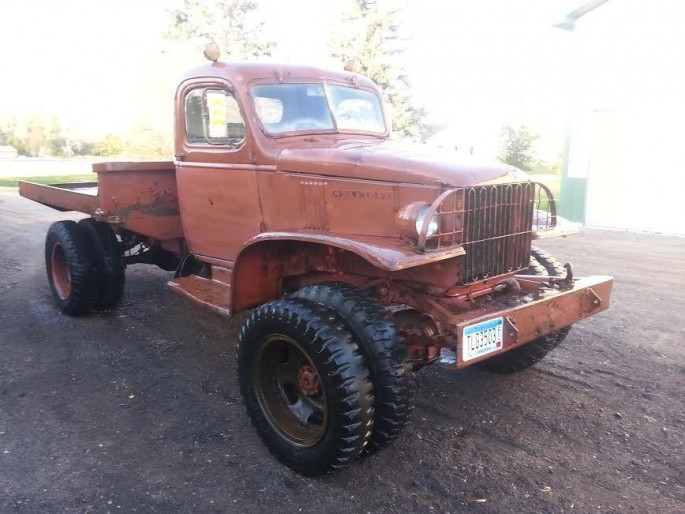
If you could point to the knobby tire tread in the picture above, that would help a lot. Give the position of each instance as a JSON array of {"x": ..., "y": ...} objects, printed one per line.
[
  {"x": 77, "y": 252},
  {"x": 553, "y": 267},
  {"x": 384, "y": 354},
  {"x": 331, "y": 347},
  {"x": 109, "y": 264}
]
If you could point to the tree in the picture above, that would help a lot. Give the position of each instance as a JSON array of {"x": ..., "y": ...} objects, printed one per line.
[
  {"x": 10, "y": 135},
  {"x": 81, "y": 147},
  {"x": 36, "y": 136},
  {"x": 57, "y": 144},
  {"x": 368, "y": 35},
  {"x": 517, "y": 146},
  {"x": 229, "y": 22},
  {"x": 147, "y": 143},
  {"x": 7, "y": 133},
  {"x": 108, "y": 146}
]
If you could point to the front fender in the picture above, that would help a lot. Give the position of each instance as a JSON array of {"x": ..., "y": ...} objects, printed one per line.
[{"x": 386, "y": 253}]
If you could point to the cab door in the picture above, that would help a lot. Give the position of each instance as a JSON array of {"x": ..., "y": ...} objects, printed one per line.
[{"x": 216, "y": 179}]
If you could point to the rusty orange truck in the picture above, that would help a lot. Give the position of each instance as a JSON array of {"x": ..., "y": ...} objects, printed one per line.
[{"x": 361, "y": 259}]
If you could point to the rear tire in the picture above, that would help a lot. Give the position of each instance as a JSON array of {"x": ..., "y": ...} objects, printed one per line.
[
  {"x": 69, "y": 265},
  {"x": 305, "y": 385},
  {"x": 108, "y": 259},
  {"x": 542, "y": 264},
  {"x": 384, "y": 354}
]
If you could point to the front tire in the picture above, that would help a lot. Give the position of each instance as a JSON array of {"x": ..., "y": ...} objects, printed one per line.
[
  {"x": 552, "y": 266},
  {"x": 543, "y": 264},
  {"x": 305, "y": 385},
  {"x": 384, "y": 355},
  {"x": 69, "y": 265}
]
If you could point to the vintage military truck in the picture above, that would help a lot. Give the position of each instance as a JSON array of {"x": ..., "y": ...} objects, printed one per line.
[{"x": 361, "y": 258}]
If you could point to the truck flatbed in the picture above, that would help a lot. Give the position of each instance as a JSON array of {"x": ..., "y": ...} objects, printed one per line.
[
  {"x": 137, "y": 196},
  {"x": 75, "y": 196}
]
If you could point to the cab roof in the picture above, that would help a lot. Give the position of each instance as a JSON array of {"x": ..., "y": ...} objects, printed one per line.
[{"x": 240, "y": 73}]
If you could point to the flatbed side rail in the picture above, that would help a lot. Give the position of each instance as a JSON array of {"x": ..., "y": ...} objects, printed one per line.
[{"x": 77, "y": 196}]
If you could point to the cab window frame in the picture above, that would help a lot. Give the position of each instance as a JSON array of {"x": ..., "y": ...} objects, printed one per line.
[{"x": 202, "y": 137}]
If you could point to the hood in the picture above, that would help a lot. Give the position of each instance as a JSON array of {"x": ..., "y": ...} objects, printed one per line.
[{"x": 387, "y": 160}]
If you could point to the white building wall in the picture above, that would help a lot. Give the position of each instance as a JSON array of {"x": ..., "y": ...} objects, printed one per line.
[{"x": 630, "y": 115}]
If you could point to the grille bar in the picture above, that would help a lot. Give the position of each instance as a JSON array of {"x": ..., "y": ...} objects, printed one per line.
[
  {"x": 495, "y": 224},
  {"x": 497, "y": 234}
]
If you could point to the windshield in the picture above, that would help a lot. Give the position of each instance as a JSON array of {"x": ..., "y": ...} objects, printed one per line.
[{"x": 317, "y": 107}]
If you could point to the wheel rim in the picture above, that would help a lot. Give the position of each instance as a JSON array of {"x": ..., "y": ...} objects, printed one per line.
[
  {"x": 61, "y": 277},
  {"x": 290, "y": 392}
]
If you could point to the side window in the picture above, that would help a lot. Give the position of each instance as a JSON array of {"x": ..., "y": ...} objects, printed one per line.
[{"x": 213, "y": 117}]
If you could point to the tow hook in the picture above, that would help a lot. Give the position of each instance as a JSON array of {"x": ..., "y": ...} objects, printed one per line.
[
  {"x": 509, "y": 285},
  {"x": 529, "y": 282},
  {"x": 566, "y": 281}
]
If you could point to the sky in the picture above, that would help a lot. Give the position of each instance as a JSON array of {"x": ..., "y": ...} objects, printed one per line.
[{"x": 102, "y": 67}]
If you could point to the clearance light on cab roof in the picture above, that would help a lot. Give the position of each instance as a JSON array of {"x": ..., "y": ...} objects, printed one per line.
[
  {"x": 211, "y": 50},
  {"x": 353, "y": 66}
]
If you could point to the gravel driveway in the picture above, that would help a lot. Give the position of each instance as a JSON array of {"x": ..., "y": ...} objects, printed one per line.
[{"x": 139, "y": 410}]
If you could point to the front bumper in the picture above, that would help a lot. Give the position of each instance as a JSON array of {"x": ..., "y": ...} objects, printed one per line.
[{"x": 536, "y": 314}]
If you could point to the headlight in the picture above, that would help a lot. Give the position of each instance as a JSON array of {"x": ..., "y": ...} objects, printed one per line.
[
  {"x": 421, "y": 219},
  {"x": 411, "y": 218}
]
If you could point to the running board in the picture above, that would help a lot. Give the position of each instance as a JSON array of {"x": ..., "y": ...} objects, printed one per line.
[{"x": 212, "y": 294}]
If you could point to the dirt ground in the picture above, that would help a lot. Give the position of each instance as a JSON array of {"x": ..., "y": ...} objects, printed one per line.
[{"x": 139, "y": 410}]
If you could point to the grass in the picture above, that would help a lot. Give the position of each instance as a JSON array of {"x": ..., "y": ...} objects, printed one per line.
[
  {"x": 553, "y": 182},
  {"x": 12, "y": 182}
]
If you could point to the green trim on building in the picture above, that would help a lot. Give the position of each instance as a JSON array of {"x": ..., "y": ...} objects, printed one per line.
[
  {"x": 572, "y": 199},
  {"x": 572, "y": 191}
]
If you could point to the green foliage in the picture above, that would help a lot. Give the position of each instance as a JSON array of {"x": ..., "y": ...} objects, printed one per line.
[
  {"x": 548, "y": 168},
  {"x": 58, "y": 146},
  {"x": 15, "y": 135},
  {"x": 7, "y": 134},
  {"x": 83, "y": 147},
  {"x": 553, "y": 182},
  {"x": 517, "y": 146},
  {"x": 369, "y": 36},
  {"x": 49, "y": 179},
  {"x": 148, "y": 143},
  {"x": 36, "y": 137},
  {"x": 229, "y": 22},
  {"x": 32, "y": 138},
  {"x": 108, "y": 146}
]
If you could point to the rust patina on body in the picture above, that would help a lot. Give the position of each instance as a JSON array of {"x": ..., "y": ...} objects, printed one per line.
[{"x": 287, "y": 194}]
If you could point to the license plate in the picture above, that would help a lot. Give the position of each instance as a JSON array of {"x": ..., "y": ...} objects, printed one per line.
[{"x": 482, "y": 338}]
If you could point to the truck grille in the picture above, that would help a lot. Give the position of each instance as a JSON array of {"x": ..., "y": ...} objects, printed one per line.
[
  {"x": 497, "y": 230},
  {"x": 494, "y": 224}
]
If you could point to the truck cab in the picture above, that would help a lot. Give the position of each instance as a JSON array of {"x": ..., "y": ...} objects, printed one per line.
[{"x": 268, "y": 154}]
